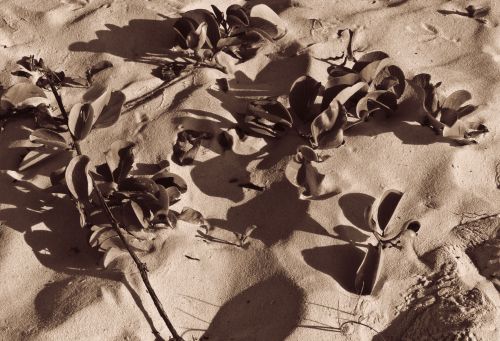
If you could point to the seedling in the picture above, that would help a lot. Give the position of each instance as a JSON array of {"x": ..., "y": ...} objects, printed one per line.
[
  {"x": 444, "y": 114},
  {"x": 379, "y": 217}
]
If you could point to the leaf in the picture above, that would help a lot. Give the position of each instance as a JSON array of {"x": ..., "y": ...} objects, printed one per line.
[
  {"x": 387, "y": 206},
  {"x": 78, "y": 177},
  {"x": 167, "y": 180},
  {"x": 120, "y": 159},
  {"x": 183, "y": 27},
  {"x": 306, "y": 153},
  {"x": 112, "y": 111},
  {"x": 396, "y": 76},
  {"x": 187, "y": 145},
  {"x": 80, "y": 120},
  {"x": 192, "y": 216},
  {"x": 197, "y": 38},
  {"x": 268, "y": 117},
  {"x": 302, "y": 96},
  {"x": 451, "y": 105},
  {"x": 48, "y": 138},
  {"x": 248, "y": 231},
  {"x": 375, "y": 101},
  {"x": 327, "y": 127},
  {"x": 135, "y": 216},
  {"x": 344, "y": 95},
  {"x": 368, "y": 64},
  {"x": 369, "y": 270},
  {"x": 203, "y": 16},
  {"x": 313, "y": 184},
  {"x": 98, "y": 96},
  {"x": 23, "y": 95},
  {"x": 219, "y": 16},
  {"x": 236, "y": 16},
  {"x": 138, "y": 184},
  {"x": 263, "y": 17}
]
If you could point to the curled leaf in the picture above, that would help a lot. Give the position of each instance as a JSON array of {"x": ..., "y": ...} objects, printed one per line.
[
  {"x": 263, "y": 17},
  {"x": 167, "y": 180},
  {"x": 367, "y": 65},
  {"x": 369, "y": 270},
  {"x": 380, "y": 213},
  {"x": 302, "y": 97},
  {"x": 138, "y": 184},
  {"x": 390, "y": 78},
  {"x": 78, "y": 177},
  {"x": 449, "y": 109},
  {"x": 327, "y": 127},
  {"x": 98, "y": 96},
  {"x": 375, "y": 101}
]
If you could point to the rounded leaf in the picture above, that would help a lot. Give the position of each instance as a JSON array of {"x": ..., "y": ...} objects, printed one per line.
[
  {"x": 390, "y": 78},
  {"x": 369, "y": 270},
  {"x": 98, "y": 96},
  {"x": 78, "y": 177},
  {"x": 111, "y": 112},
  {"x": 263, "y": 17},
  {"x": 198, "y": 17},
  {"x": 167, "y": 179},
  {"x": 451, "y": 105}
]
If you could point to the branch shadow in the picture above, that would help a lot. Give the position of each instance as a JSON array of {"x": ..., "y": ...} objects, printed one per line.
[{"x": 268, "y": 310}]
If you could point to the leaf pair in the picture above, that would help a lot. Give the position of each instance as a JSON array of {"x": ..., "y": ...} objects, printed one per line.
[
  {"x": 266, "y": 118},
  {"x": 303, "y": 174},
  {"x": 21, "y": 96},
  {"x": 196, "y": 28},
  {"x": 379, "y": 216},
  {"x": 100, "y": 108}
]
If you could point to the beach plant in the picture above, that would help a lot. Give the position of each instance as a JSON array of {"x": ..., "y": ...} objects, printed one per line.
[
  {"x": 212, "y": 39},
  {"x": 444, "y": 114},
  {"x": 122, "y": 211},
  {"x": 387, "y": 234}
]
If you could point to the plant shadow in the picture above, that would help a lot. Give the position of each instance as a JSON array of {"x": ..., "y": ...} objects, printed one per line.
[
  {"x": 354, "y": 206},
  {"x": 141, "y": 40},
  {"x": 338, "y": 261},
  {"x": 268, "y": 310}
]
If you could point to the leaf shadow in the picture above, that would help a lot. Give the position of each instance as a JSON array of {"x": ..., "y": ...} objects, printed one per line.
[
  {"x": 353, "y": 206},
  {"x": 275, "y": 222},
  {"x": 141, "y": 40},
  {"x": 268, "y": 310},
  {"x": 338, "y": 261}
]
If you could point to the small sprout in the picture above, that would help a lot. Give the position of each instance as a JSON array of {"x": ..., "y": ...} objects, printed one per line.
[
  {"x": 187, "y": 145},
  {"x": 303, "y": 174}
]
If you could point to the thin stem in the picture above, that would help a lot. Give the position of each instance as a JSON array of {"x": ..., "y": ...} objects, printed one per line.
[{"x": 116, "y": 227}]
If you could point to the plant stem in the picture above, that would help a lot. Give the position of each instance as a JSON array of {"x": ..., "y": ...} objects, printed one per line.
[{"x": 116, "y": 226}]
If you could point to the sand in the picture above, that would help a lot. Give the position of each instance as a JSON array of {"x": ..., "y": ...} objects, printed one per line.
[{"x": 295, "y": 281}]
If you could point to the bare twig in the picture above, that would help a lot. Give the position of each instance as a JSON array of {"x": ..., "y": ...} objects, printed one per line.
[{"x": 142, "y": 267}]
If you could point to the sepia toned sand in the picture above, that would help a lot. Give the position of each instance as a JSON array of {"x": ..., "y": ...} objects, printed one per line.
[{"x": 296, "y": 279}]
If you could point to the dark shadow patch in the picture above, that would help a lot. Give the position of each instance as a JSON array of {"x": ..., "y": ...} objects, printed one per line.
[
  {"x": 338, "y": 261},
  {"x": 269, "y": 310},
  {"x": 353, "y": 206}
]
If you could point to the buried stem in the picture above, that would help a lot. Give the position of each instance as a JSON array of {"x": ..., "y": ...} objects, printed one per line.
[{"x": 142, "y": 267}]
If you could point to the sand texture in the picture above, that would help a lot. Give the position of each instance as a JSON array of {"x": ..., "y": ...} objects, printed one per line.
[{"x": 296, "y": 278}]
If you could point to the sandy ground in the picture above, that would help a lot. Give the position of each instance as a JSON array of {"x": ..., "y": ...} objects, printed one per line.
[{"x": 295, "y": 281}]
